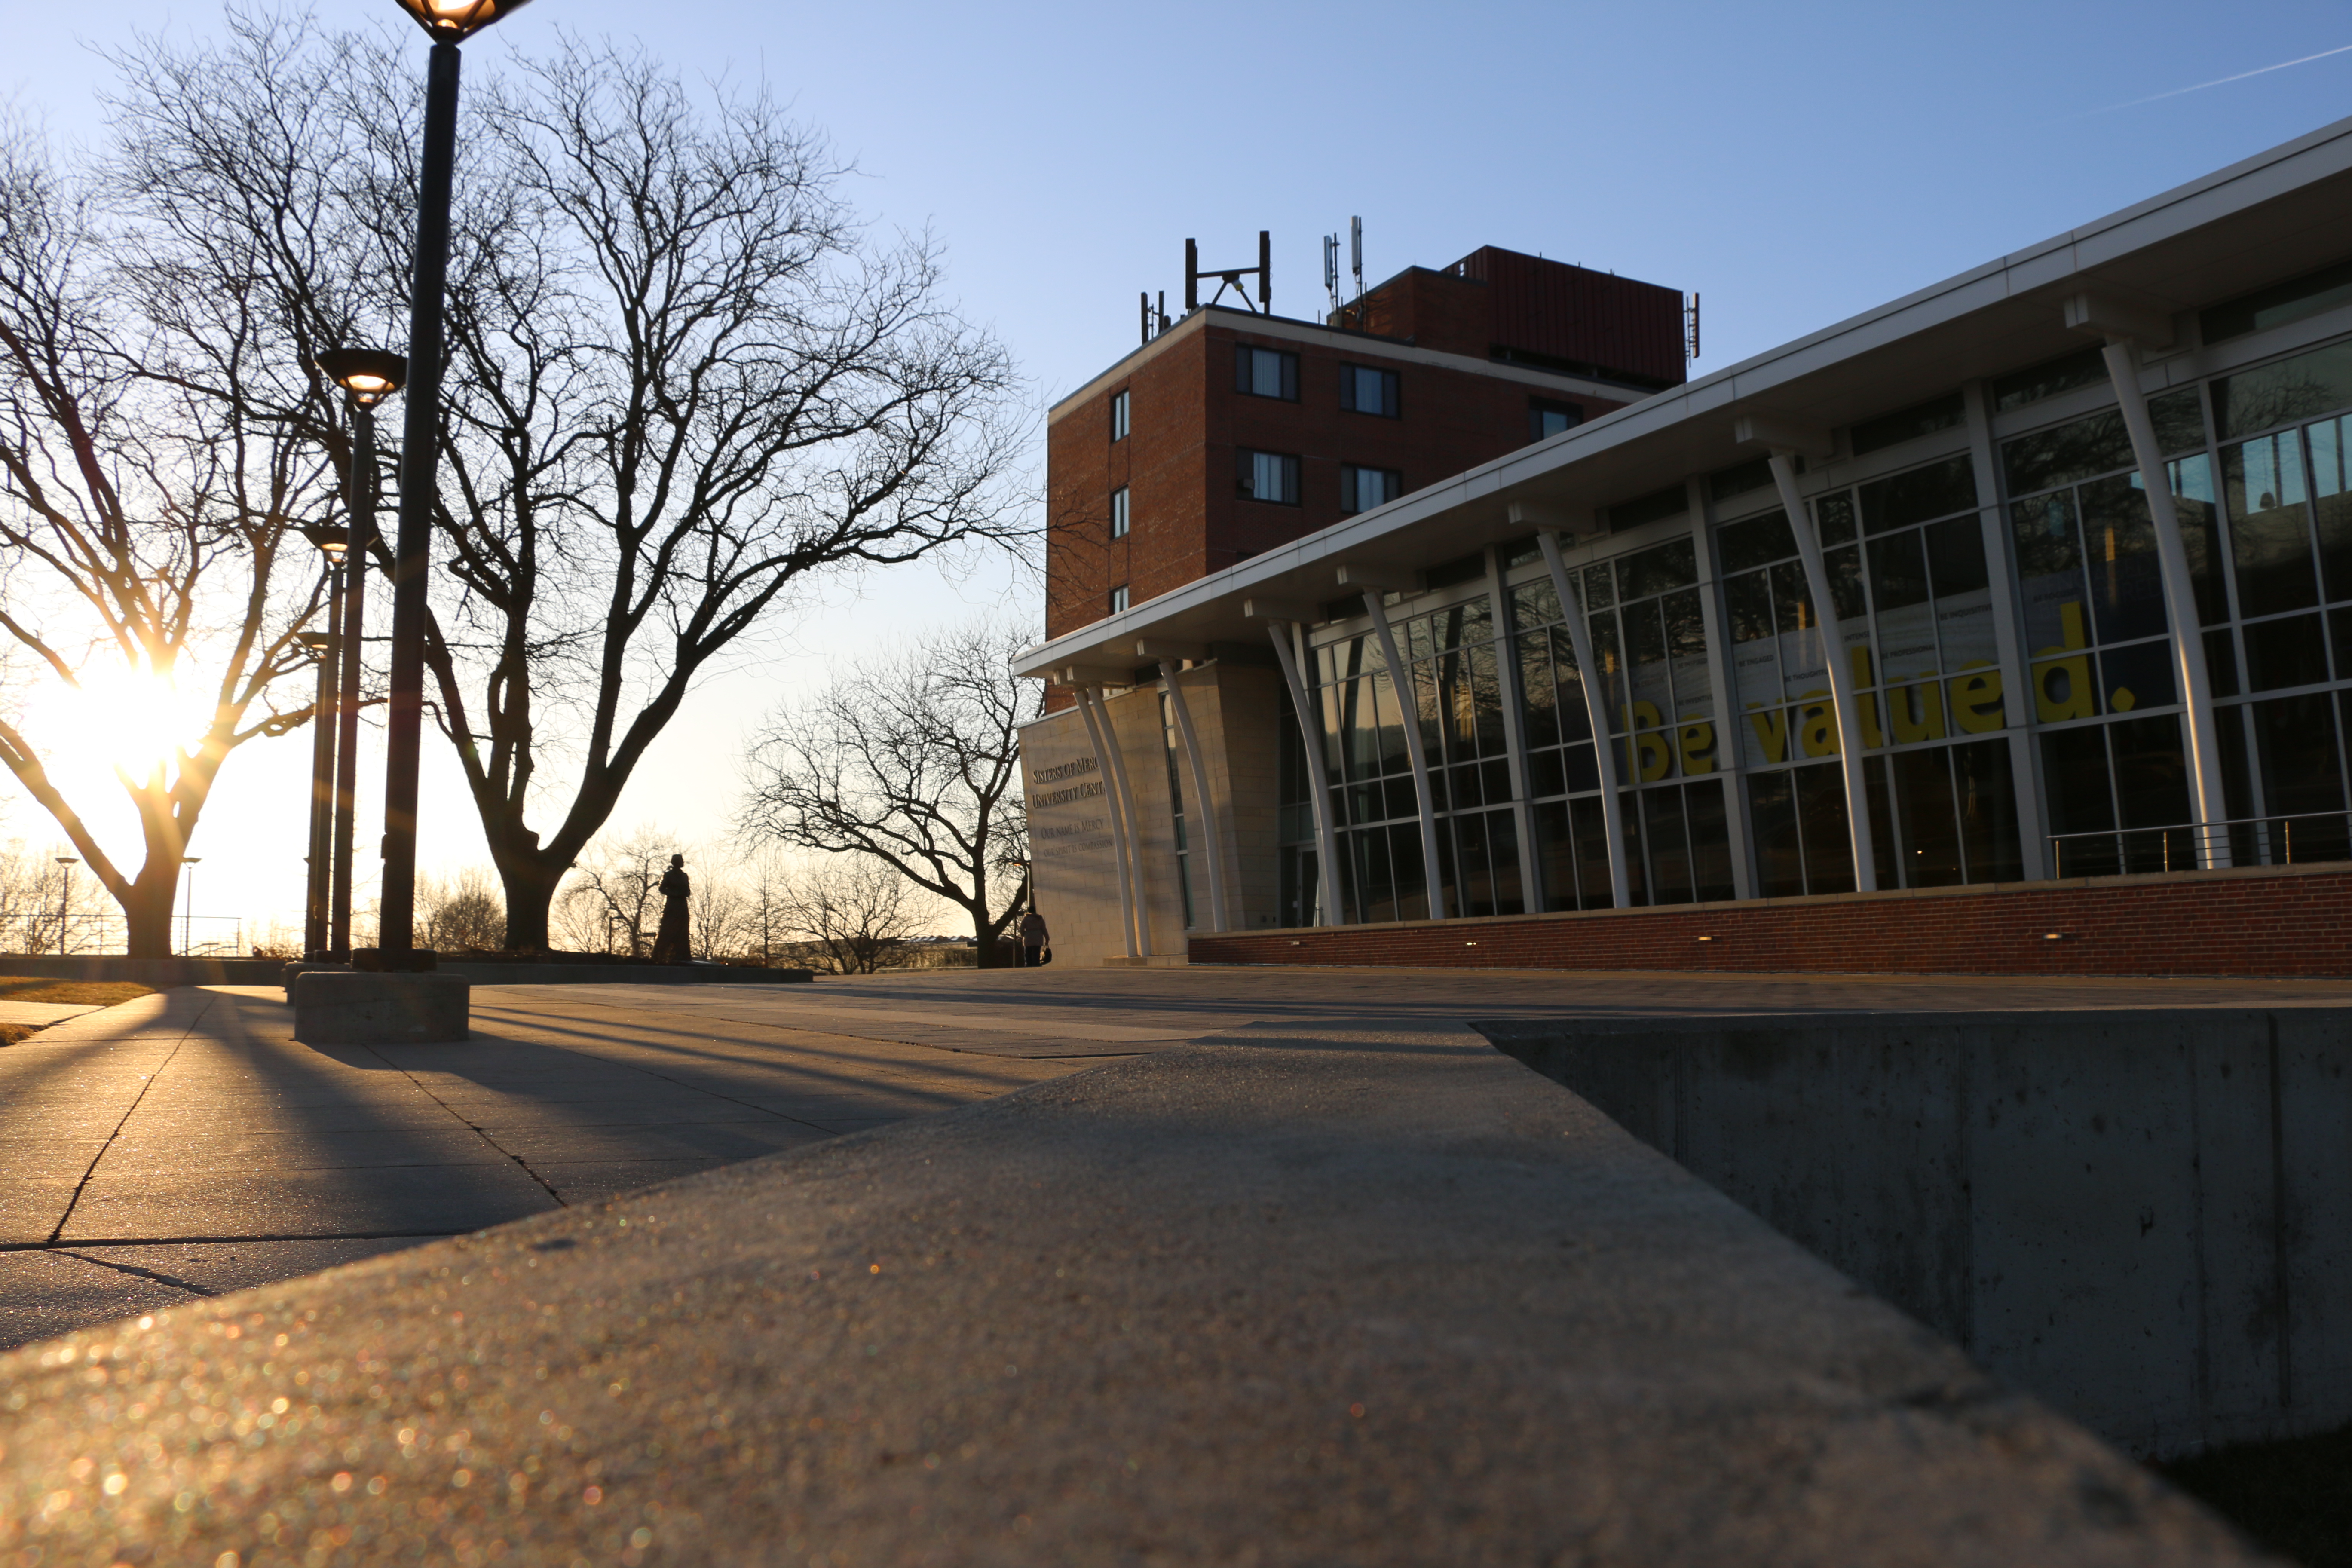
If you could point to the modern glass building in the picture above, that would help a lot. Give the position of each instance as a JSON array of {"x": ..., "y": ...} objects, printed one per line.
[{"x": 2040, "y": 575}]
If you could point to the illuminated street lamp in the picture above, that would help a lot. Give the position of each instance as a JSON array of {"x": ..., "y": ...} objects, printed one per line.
[
  {"x": 367, "y": 376},
  {"x": 450, "y": 22}
]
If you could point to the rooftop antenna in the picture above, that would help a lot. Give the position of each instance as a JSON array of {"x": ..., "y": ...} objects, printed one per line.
[
  {"x": 1356, "y": 252},
  {"x": 1331, "y": 269},
  {"x": 1230, "y": 278},
  {"x": 1154, "y": 323},
  {"x": 1690, "y": 329}
]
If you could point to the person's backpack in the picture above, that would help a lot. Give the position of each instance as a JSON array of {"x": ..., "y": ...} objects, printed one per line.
[{"x": 1044, "y": 956}]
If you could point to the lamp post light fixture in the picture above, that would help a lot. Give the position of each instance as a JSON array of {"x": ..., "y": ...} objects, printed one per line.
[
  {"x": 367, "y": 376},
  {"x": 450, "y": 23},
  {"x": 188, "y": 907},
  {"x": 65, "y": 899}
]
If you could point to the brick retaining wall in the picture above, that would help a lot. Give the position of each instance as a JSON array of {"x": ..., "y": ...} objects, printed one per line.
[{"x": 2288, "y": 921}]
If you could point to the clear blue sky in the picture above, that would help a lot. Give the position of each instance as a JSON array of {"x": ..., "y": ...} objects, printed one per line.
[{"x": 1795, "y": 164}]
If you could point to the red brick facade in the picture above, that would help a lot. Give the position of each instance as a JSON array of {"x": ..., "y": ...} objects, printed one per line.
[
  {"x": 1186, "y": 420},
  {"x": 2287, "y": 922}
]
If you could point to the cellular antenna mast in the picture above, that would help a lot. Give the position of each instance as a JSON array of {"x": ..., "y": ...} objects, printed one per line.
[
  {"x": 1356, "y": 252},
  {"x": 1690, "y": 329},
  {"x": 1230, "y": 278},
  {"x": 1331, "y": 269}
]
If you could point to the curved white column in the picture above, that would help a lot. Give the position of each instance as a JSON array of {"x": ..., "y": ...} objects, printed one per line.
[
  {"x": 1841, "y": 694},
  {"x": 1409, "y": 702},
  {"x": 1596, "y": 708},
  {"x": 1112, "y": 798},
  {"x": 1319, "y": 791},
  {"x": 1213, "y": 840}
]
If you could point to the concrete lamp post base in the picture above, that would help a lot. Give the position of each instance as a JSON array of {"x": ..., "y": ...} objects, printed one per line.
[
  {"x": 339, "y": 1007},
  {"x": 301, "y": 967}
]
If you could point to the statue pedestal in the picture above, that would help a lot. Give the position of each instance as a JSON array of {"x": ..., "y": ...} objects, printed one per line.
[{"x": 341, "y": 1007}]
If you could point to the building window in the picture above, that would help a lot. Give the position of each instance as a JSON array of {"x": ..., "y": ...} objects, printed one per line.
[
  {"x": 1118, "y": 600},
  {"x": 1362, "y": 489},
  {"x": 1118, "y": 512},
  {"x": 1171, "y": 742},
  {"x": 1118, "y": 416},
  {"x": 1265, "y": 373},
  {"x": 1364, "y": 390},
  {"x": 1268, "y": 477},
  {"x": 1546, "y": 417}
]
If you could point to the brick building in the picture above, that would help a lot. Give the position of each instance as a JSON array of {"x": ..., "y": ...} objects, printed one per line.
[
  {"x": 1231, "y": 432},
  {"x": 2004, "y": 626}
]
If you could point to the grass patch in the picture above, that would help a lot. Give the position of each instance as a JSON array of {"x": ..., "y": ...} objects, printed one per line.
[
  {"x": 93, "y": 993},
  {"x": 2294, "y": 1496}
]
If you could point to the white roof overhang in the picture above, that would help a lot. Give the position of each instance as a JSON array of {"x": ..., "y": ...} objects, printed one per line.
[{"x": 2269, "y": 217}]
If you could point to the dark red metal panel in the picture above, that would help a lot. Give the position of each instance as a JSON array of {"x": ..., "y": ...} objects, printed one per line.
[{"x": 1576, "y": 315}]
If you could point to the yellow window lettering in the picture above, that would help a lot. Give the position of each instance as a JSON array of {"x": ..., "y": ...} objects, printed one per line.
[
  {"x": 1652, "y": 757},
  {"x": 2062, "y": 690},
  {"x": 1818, "y": 729},
  {"x": 1771, "y": 726},
  {"x": 1699, "y": 747},
  {"x": 1975, "y": 701}
]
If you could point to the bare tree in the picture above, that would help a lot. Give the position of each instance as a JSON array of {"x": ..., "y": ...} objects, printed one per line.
[
  {"x": 149, "y": 578},
  {"x": 612, "y": 903},
  {"x": 461, "y": 913},
  {"x": 720, "y": 915},
  {"x": 859, "y": 914},
  {"x": 911, "y": 763},
  {"x": 683, "y": 381}
]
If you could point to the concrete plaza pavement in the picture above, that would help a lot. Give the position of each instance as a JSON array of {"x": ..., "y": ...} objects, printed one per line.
[
  {"x": 185, "y": 1145},
  {"x": 1271, "y": 1283}
]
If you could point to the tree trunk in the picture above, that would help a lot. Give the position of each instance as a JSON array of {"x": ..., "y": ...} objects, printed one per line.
[
  {"x": 989, "y": 935},
  {"x": 147, "y": 910},
  {"x": 530, "y": 885}
]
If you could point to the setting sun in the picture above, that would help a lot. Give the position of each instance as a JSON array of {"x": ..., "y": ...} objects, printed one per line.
[{"x": 120, "y": 719}]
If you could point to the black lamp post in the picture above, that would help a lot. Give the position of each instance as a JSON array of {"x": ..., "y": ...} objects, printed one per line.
[
  {"x": 367, "y": 376},
  {"x": 325, "y": 647},
  {"x": 450, "y": 22}
]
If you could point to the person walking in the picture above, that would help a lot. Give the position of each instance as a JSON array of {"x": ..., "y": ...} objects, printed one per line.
[
  {"x": 670, "y": 943},
  {"x": 1034, "y": 938}
]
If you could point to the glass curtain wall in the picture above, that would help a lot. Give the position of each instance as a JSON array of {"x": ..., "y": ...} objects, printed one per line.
[
  {"x": 2259, "y": 464},
  {"x": 1913, "y": 599},
  {"x": 2101, "y": 669},
  {"x": 1455, "y": 695},
  {"x": 2287, "y": 493},
  {"x": 1649, "y": 640}
]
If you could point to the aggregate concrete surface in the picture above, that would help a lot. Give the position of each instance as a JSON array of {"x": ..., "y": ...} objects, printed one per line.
[{"x": 1300, "y": 1292}]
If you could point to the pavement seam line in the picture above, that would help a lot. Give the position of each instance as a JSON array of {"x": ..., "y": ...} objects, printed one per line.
[
  {"x": 132, "y": 1269},
  {"x": 477, "y": 1131},
  {"x": 153, "y": 1078},
  {"x": 232, "y": 1240}
]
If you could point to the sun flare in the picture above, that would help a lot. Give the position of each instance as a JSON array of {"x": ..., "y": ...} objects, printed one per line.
[{"x": 119, "y": 719}]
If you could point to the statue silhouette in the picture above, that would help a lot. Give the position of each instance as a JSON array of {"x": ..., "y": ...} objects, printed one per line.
[{"x": 670, "y": 944}]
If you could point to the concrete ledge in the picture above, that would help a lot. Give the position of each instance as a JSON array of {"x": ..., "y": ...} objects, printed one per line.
[
  {"x": 340, "y": 1008},
  {"x": 1276, "y": 1300},
  {"x": 2145, "y": 1216}
]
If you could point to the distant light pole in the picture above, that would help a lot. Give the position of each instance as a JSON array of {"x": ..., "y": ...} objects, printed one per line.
[
  {"x": 450, "y": 23},
  {"x": 188, "y": 907},
  {"x": 65, "y": 899},
  {"x": 367, "y": 376}
]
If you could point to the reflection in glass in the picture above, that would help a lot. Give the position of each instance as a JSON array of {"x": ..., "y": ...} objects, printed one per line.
[
  {"x": 2270, "y": 525},
  {"x": 2119, "y": 551},
  {"x": 2291, "y": 651}
]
